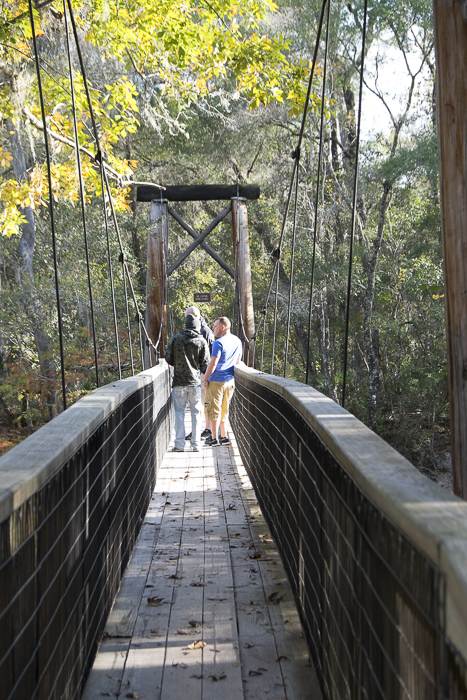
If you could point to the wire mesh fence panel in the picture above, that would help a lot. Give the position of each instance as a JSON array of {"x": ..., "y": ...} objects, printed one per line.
[
  {"x": 63, "y": 551},
  {"x": 372, "y": 603}
]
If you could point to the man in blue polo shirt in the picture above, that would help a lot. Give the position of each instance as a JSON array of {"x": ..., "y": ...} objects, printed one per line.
[{"x": 219, "y": 379}]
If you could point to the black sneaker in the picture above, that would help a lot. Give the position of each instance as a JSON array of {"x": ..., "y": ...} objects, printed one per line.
[
  {"x": 214, "y": 443},
  {"x": 188, "y": 437},
  {"x": 224, "y": 440},
  {"x": 206, "y": 433}
]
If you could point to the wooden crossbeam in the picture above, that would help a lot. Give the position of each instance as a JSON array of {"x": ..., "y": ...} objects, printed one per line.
[{"x": 196, "y": 193}]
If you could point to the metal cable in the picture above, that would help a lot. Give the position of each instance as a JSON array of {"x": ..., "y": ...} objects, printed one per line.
[
  {"x": 51, "y": 208},
  {"x": 318, "y": 182},
  {"x": 297, "y": 151},
  {"x": 275, "y": 321},
  {"x": 292, "y": 261},
  {"x": 354, "y": 204},
  {"x": 122, "y": 257},
  {"x": 99, "y": 159},
  {"x": 109, "y": 260},
  {"x": 81, "y": 190}
]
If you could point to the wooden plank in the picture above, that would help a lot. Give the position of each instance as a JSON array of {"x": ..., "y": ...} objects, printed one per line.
[
  {"x": 205, "y": 584},
  {"x": 451, "y": 81},
  {"x": 196, "y": 193}
]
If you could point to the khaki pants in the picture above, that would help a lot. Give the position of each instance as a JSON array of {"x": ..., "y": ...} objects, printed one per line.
[{"x": 218, "y": 395}]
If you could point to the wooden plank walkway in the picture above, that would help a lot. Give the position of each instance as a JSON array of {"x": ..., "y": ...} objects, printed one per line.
[{"x": 204, "y": 610}]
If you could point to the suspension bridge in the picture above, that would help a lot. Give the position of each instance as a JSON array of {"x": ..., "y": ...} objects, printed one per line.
[{"x": 308, "y": 559}]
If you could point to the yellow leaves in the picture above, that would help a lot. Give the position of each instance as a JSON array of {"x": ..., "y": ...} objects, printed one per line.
[{"x": 5, "y": 158}]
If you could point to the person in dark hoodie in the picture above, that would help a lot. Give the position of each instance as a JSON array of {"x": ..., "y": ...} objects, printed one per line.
[
  {"x": 187, "y": 352},
  {"x": 208, "y": 335}
]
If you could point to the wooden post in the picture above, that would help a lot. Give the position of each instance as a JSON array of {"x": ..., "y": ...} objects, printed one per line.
[
  {"x": 156, "y": 282},
  {"x": 241, "y": 244},
  {"x": 450, "y": 19}
]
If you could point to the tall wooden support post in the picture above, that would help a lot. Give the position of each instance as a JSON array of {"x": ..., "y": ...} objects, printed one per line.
[
  {"x": 244, "y": 289},
  {"x": 450, "y": 18},
  {"x": 156, "y": 281}
]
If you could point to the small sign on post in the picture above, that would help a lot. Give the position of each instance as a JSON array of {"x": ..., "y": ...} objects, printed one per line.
[{"x": 204, "y": 297}]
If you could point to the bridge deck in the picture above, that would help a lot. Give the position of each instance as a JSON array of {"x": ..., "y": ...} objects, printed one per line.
[{"x": 204, "y": 609}]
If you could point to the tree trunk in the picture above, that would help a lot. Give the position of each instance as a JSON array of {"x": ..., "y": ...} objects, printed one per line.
[{"x": 370, "y": 333}]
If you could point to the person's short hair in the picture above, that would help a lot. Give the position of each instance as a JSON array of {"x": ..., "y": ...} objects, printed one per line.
[
  {"x": 193, "y": 310},
  {"x": 224, "y": 321}
]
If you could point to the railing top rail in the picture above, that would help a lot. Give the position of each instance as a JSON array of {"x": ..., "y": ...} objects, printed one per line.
[
  {"x": 26, "y": 467},
  {"x": 434, "y": 519}
]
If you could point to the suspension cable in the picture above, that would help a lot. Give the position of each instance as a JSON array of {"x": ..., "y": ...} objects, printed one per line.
[
  {"x": 81, "y": 190},
  {"x": 297, "y": 150},
  {"x": 354, "y": 205},
  {"x": 318, "y": 182},
  {"x": 292, "y": 261},
  {"x": 122, "y": 258},
  {"x": 275, "y": 321},
  {"x": 51, "y": 207},
  {"x": 104, "y": 178}
]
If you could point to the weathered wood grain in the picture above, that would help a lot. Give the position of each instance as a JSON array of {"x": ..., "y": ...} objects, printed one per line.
[
  {"x": 199, "y": 542},
  {"x": 450, "y": 20}
]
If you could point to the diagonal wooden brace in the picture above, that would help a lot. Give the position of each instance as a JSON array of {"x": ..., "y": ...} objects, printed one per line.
[
  {"x": 199, "y": 240},
  {"x": 225, "y": 266}
]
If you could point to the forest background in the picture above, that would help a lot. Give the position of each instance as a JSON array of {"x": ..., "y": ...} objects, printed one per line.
[{"x": 212, "y": 92}]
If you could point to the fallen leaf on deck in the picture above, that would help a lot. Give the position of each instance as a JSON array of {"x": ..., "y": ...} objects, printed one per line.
[
  {"x": 218, "y": 677},
  {"x": 175, "y": 577},
  {"x": 197, "y": 675},
  {"x": 248, "y": 646},
  {"x": 231, "y": 506},
  {"x": 155, "y": 602},
  {"x": 282, "y": 658},
  {"x": 182, "y": 632},
  {"x": 264, "y": 670},
  {"x": 199, "y": 644},
  {"x": 194, "y": 623},
  {"x": 255, "y": 555},
  {"x": 275, "y": 598},
  {"x": 134, "y": 694},
  {"x": 255, "y": 673},
  {"x": 167, "y": 503},
  {"x": 197, "y": 584}
]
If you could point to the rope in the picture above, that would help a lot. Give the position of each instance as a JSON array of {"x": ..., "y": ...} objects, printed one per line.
[
  {"x": 51, "y": 208},
  {"x": 81, "y": 190},
  {"x": 289, "y": 310},
  {"x": 354, "y": 206},
  {"x": 318, "y": 181}
]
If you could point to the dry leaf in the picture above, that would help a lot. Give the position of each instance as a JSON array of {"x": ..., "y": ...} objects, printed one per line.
[
  {"x": 174, "y": 576},
  {"x": 197, "y": 675},
  {"x": 256, "y": 554},
  {"x": 182, "y": 632},
  {"x": 282, "y": 658},
  {"x": 199, "y": 644},
  {"x": 248, "y": 646},
  {"x": 255, "y": 673},
  {"x": 194, "y": 623},
  {"x": 231, "y": 506},
  {"x": 275, "y": 598},
  {"x": 219, "y": 677},
  {"x": 155, "y": 602},
  {"x": 197, "y": 584}
]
